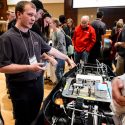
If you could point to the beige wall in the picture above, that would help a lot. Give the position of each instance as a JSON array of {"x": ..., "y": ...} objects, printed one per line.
[
  {"x": 11, "y": 7},
  {"x": 52, "y": 1},
  {"x": 91, "y": 12},
  {"x": 56, "y": 9}
]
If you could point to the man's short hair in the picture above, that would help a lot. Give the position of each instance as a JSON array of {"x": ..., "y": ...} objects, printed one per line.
[
  {"x": 21, "y": 5},
  {"x": 85, "y": 18},
  {"x": 100, "y": 14},
  {"x": 62, "y": 19}
]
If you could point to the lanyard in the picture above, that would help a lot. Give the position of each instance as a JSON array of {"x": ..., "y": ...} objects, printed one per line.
[{"x": 25, "y": 43}]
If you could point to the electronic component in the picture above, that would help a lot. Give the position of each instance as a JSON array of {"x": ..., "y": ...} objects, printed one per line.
[
  {"x": 84, "y": 98},
  {"x": 88, "y": 79},
  {"x": 89, "y": 86}
]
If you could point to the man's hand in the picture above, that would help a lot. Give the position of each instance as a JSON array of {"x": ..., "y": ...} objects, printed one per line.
[
  {"x": 117, "y": 85},
  {"x": 70, "y": 63},
  {"x": 53, "y": 61},
  {"x": 37, "y": 67},
  {"x": 49, "y": 58},
  {"x": 117, "y": 44},
  {"x": 121, "y": 44}
]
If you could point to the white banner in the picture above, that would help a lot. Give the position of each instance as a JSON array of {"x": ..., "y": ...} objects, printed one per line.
[{"x": 97, "y": 3}]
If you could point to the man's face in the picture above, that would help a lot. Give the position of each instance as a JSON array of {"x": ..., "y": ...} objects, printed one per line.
[
  {"x": 11, "y": 16},
  {"x": 27, "y": 18},
  {"x": 84, "y": 24}
]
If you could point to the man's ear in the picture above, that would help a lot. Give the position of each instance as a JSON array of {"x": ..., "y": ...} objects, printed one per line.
[{"x": 18, "y": 14}]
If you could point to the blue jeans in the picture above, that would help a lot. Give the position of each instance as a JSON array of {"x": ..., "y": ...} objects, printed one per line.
[
  {"x": 81, "y": 56},
  {"x": 60, "y": 69}
]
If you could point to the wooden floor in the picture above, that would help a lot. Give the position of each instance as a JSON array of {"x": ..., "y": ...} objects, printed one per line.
[{"x": 5, "y": 102}]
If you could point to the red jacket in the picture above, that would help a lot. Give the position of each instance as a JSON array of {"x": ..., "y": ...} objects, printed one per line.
[{"x": 84, "y": 39}]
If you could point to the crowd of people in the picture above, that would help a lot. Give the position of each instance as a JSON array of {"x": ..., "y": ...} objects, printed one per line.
[
  {"x": 24, "y": 49},
  {"x": 20, "y": 56}
]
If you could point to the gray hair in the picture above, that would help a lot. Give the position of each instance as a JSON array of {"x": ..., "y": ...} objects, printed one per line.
[{"x": 86, "y": 18}]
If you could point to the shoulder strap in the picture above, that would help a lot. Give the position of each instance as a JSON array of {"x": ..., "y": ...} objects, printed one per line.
[{"x": 66, "y": 34}]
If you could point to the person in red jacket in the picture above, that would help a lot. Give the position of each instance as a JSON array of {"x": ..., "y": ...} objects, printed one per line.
[{"x": 83, "y": 40}]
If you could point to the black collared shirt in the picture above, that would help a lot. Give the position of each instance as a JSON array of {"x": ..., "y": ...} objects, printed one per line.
[
  {"x": 100, "y": 29},
  {"x": 13, "y": 51}
]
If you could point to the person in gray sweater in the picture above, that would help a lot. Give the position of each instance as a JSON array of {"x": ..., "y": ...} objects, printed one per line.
[{"x": 59, "y": 42}]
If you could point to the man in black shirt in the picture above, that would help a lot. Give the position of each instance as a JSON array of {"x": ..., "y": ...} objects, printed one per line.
[
  {"x": 100, "y": 29},
  {"x": 20, "y": 51}
]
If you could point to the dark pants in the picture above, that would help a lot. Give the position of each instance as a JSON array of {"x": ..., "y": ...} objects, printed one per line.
[
  {"x": 26, "y": 98},
  {"x": 81, "y": 56},
  {"x": 95, "y": 53},
  {"x": 60, "y": 69}
]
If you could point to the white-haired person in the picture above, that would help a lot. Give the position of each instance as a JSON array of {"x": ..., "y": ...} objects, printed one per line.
[{"x": 83, "y": 39}]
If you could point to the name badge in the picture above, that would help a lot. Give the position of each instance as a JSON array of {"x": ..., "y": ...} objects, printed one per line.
[{"x": 33, "y": 60}]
